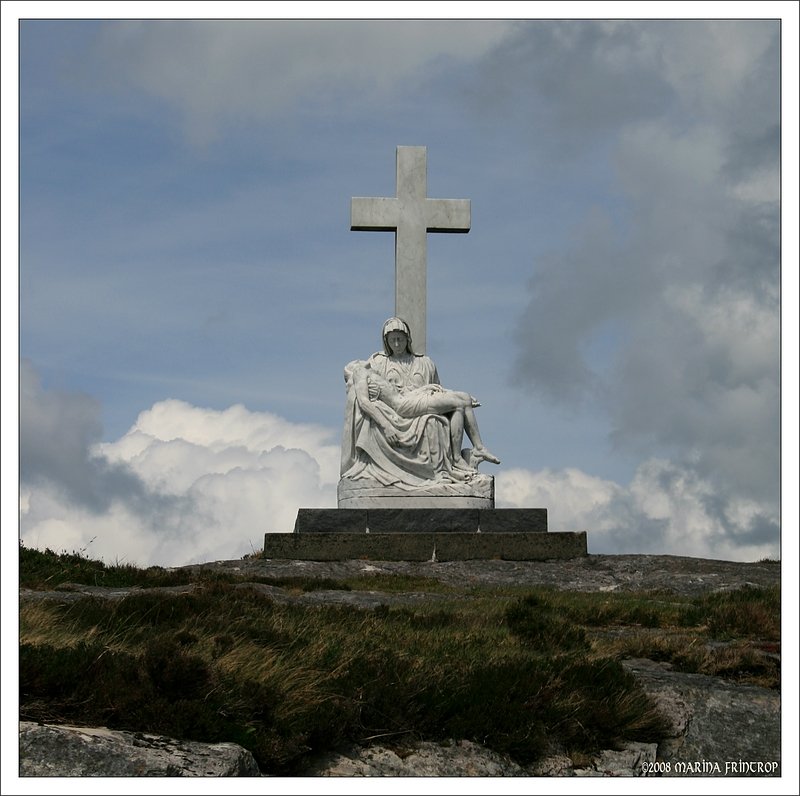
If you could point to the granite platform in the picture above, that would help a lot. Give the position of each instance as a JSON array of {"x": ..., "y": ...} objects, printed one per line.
[
  {"x": 423, "y": 535},
  {"x": 421, "y": 520},
  {"x": 449, "y": 546}
]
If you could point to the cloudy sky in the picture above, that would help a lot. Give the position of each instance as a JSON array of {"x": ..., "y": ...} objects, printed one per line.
[{"x": 189, "y": 289}]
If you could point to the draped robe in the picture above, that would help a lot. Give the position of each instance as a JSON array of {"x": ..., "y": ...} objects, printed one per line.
[{"x": 423, "y": 453}]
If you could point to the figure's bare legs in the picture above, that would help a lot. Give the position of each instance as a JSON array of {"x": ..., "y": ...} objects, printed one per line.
[
  {"x": 460, "y": 407},
  {"x": 463, "y": 420},
  {"x": 457, "y": 437},
  {"x": 479, "y": 451}
]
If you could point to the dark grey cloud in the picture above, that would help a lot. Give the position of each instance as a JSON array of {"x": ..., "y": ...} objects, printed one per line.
[
  {"x": 575, "y": 295},
  {"x": 57, "y": 430},
  {"x": 571, "y": 80},
  {"x": 665, "y": 315}
]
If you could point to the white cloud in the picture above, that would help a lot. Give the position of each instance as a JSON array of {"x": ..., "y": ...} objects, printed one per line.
[
  {"x": 665, "y": 510},
  {"x": 201, "y": 484},
  {"x": 176, "y": 442},
  {"x": 188, "y": 484}
]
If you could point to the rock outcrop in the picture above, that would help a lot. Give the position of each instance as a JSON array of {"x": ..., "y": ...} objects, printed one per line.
[
  {"x": 47, "y": 750},
  {"x": 719, "y": 728},
  {"x": 454, "y": 759}
]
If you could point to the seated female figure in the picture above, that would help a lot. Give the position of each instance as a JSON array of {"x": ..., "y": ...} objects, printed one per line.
[
  {"x": 428, "y": 399},
  {"x": 402, "y": 428}
]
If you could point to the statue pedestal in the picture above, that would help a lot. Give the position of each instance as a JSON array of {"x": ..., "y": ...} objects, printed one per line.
[{"x": 366, "y": 493}]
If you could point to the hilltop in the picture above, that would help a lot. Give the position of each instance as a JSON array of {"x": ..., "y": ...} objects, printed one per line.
[{"x": 484, "y": 667}]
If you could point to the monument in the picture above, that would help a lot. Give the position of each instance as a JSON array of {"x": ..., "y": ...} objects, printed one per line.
[{"x": 409, "y": 488}]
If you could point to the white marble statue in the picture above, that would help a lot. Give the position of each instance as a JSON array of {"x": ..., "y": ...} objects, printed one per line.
[{"x": 402, "y": 428}]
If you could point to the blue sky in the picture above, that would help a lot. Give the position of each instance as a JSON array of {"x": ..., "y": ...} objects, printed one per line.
[{"x": 189, "y": 288}]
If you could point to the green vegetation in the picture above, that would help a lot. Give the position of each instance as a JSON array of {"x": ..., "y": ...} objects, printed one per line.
[
  {"x": 514, "y": 669},
  {"x": 732, "y": 634},
  {"x": 56, "y": 571}
]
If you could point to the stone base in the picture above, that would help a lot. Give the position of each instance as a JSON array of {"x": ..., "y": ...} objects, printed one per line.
[
  {"x": 421, "y": 520},
  {"x": 451, "y": 546},
  {"x": 364, "y": 493}
]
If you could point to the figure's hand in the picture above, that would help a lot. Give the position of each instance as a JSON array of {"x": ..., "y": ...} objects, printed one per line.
[
  {"x": 374, "y": 391},
  {"x": 435, "y": 388},
  {"x": 392, "y": 437}
]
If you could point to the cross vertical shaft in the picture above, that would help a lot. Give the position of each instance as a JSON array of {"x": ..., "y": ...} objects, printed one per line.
[{"x": 411, "y": 215}]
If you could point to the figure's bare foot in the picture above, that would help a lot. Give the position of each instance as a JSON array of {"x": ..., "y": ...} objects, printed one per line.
[{"x": 482, "y": 455}]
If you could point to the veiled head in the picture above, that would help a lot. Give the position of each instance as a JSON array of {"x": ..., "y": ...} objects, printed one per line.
[{"x": 395, "y": 324}]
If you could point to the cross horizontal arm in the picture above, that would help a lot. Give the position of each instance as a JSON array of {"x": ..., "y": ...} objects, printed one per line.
[
  {"x": 447, "y": 215},
  {"x": 374, "y": 213}
]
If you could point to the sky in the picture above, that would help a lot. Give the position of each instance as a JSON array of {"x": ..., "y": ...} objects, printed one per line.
[
  {"x": 176, "y": 197},
  {"x": 189, "y": 289}
]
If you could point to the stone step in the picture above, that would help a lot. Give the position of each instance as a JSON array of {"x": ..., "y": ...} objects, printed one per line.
[
  {"x": 421, "y": 520},
  {"x": 448, "y": 546}
]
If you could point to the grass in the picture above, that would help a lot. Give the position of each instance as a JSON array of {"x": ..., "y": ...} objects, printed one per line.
[
  {"x": 518, "y": 670},
  {"x": 47, "y": 570}
]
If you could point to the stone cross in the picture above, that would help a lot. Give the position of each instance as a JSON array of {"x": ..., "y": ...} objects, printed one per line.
[{"x": 410, "y": 215}]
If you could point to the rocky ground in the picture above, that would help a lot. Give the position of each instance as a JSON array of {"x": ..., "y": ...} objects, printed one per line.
[
  {"x": 593, "y": 573},
  {"x": 589, "y": 573},
  {"x": 719, "y": 729}
]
